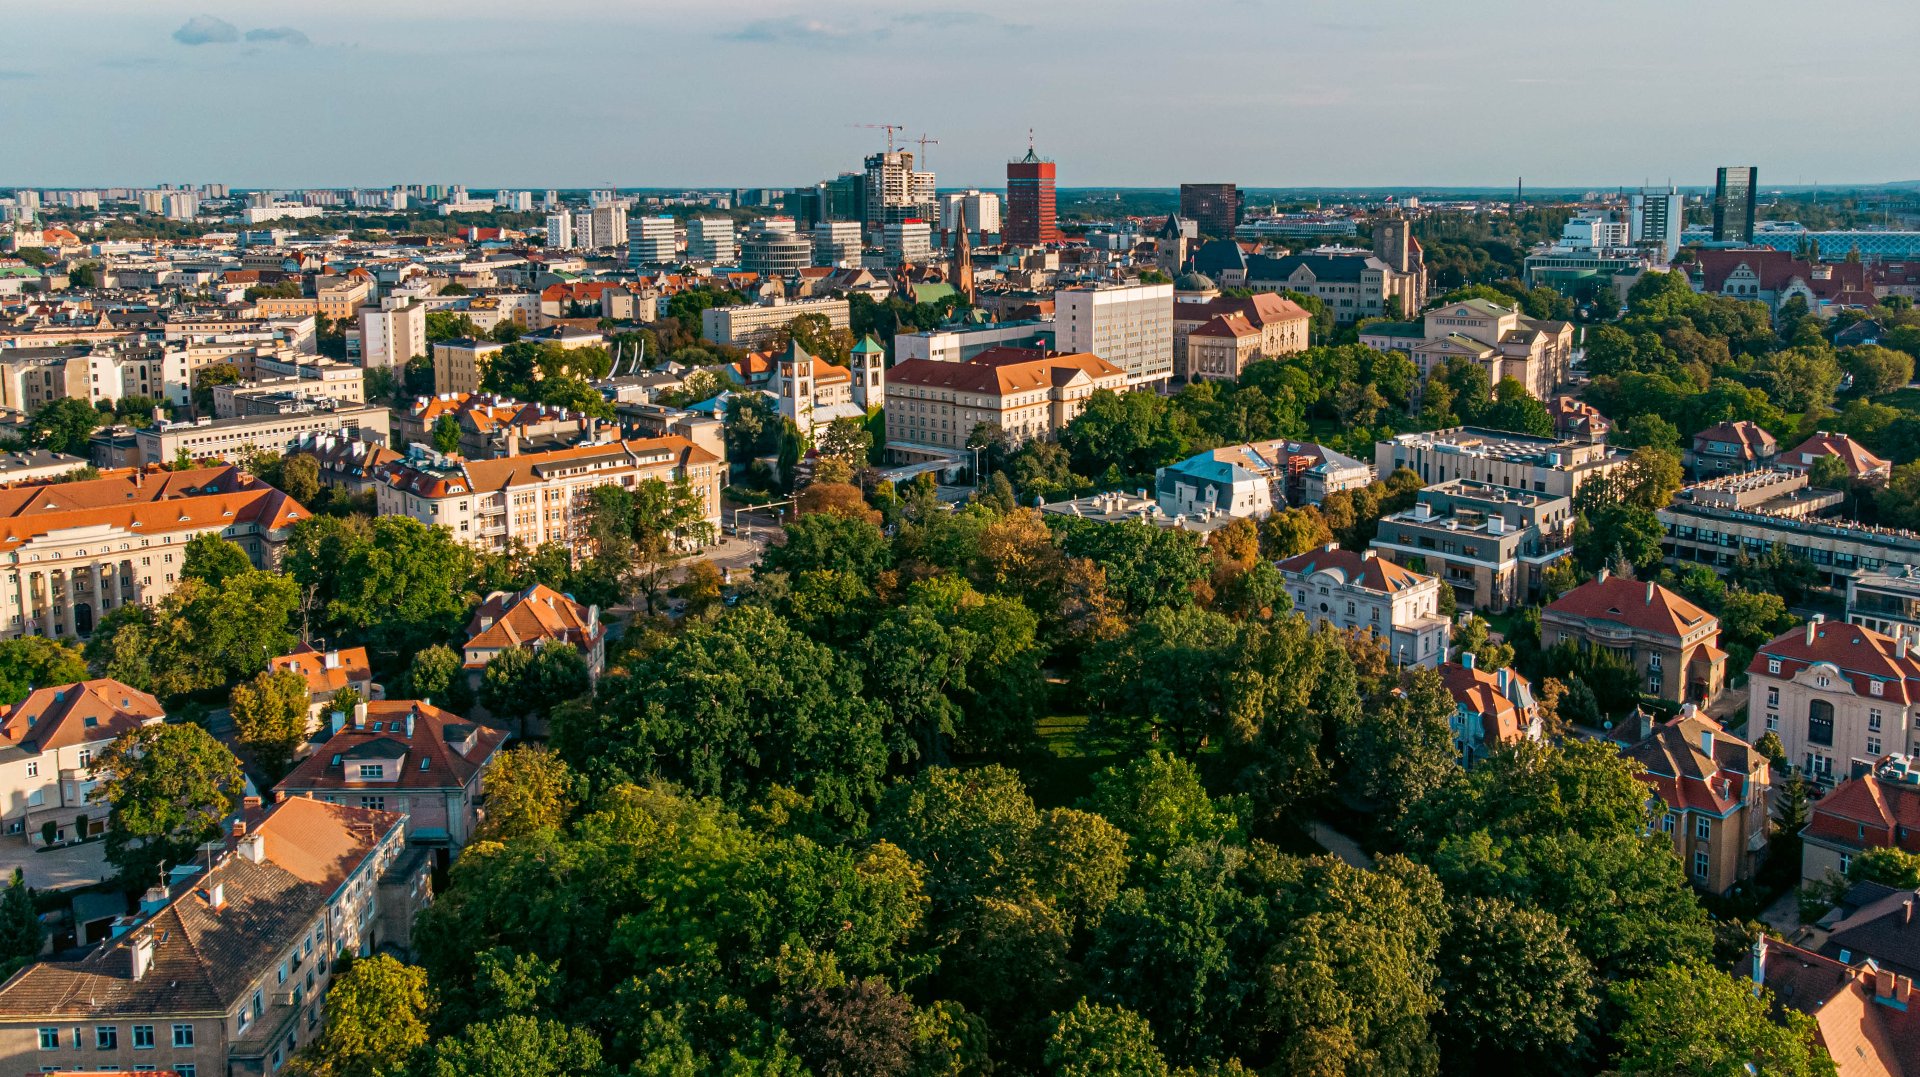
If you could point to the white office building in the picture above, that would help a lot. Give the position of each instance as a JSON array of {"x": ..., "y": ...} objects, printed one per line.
[
  {"x": 1657, "y": 218},
  {"x": 1128, "y": 325},
  {"x": 982, "y": 210},
  {"x": 650, "y": 241},
  {"x": 908, "y": 243},
  {"x": 710, "y": 239},
  {"x": 837, "y": 243}
]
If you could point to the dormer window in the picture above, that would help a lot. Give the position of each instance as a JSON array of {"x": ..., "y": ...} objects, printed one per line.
[
  {"x": 1773, "y": 665},
  {"x": 1878, "y": 688},
  {"x": 373, "y": 770}
]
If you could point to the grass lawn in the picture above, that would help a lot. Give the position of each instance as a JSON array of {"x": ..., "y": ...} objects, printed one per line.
[
  {"x": 1907, "y": 399},
  {"x": 1062, "y": 771}
]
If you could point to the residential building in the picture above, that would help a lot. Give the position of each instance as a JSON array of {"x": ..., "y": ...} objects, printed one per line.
[
  {"x": 537, "y": 497},
  {"x": 36, "y": 465},
  {"x": 1576, "y": 420},
  {"x": 651, "y": 241},
  {"x": 390, "y": 337},
  {"x": 1715, "y": 788},
  {"x": 1364, "y": 592},
  {"x": 1555, "y": 467},
  {"x": 607, "y": 226},
  {"x": 1672, "y": 645},
  {"x": 1492, "y": 544},
  {"x": 1862, "y": 466},
  {"x": 1264, "y": 326},
  {"x": 1877, "y": 808},
  {"x": 1215, "y": 207},
  {"x": 976, "y": 211},
  {"x": 235, "y": 440},
  {"x": 537, "y": 616},
  {"x": 1729, "y": 447},
  {"x": 753, "y": 326},
  {"x": 1128, "y": 325},
  {"x": 1353, "y": 284},
  {"x": 459, "y": 364},
  {"x": 1867, "y": 1018},
  {"x": 338, "y": 298},
  {"x": 1256, "y": 478},
  {"x": 1735, "y": 189},
  {"x": 1887, "y": 601},
  {"x": 1491, "y": 709},
  {"x": 1876, "y": 931},
  {"x": 711, "y": 240},
  {"x": 346, "y": 463},
  {"x": 1030, "y": 202},
  {"x": 48, "y": 742},
  {"x": 560, "y": 231},
  {"x": 1777, "y": 277},
  {"x": 1835, "y": 693},
  {"x": 493, "y": 426},
  {"x": 1657, "y": 220},
  {"x": 1538, "y": 353},
  {"x": 225, "y": 969},
  {"x": 78, "y": 550},
  {"x": 405, "y": 756},
  {"x": 904, "y": 243},
  {"x": 1719, "y": 521},
  {"x": 328, "y": 674},
  {"x": 933, "y": 407},
  {"x": 959, "y": 343}
]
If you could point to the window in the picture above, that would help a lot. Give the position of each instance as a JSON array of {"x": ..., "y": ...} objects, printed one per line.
[
  {"x": 1703, "y": 828},
  {"x": 86, "y": 756},
  {"x": 373, "y": 770},
  {"x": 1820, "y": 722},
  {"x": 1773, "y": 722},
  {"x": 1878, "y": 688},
  {"x": 1873, "y": 718},
  {"x": 1653, "y": 661},
  {"x": 374, "y": 803},
  {"x": 106, "y": 1037},
  {"x": 183, "y": 1035},
  {"x": 1873, "y": 746},
  {"x": 1700, "y": 864},
  {"x": 1773, "y": 665},
  {"x": 1773, "y": 697},
  {"x": 49, "y": 1039},
  {"x": 33, "y": 770},
  {"x": 142, "y": 1037},
  {"x": 1667, "y": 823},
  {"x": 188, "y": 1070}
]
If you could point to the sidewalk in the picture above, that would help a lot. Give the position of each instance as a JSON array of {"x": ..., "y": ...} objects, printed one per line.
[{"x": 1339, "y": 845}]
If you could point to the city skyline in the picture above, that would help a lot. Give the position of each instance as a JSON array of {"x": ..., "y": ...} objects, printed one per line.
[{"x": 1320, "y": 94}]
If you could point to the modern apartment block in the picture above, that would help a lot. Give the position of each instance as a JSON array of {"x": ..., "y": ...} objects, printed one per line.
[
  {"x": 234, "y": 440},
  {"x": 1492, "y": 544},
  {"x": 753, "y": 325},
  {"x": 1538, "y": 353},
  {"x": 1128, "y": 325},
  {"x": 711, "y": 240},
  {"x": 1716, "y": 522},
  {"x": 908, "y": 242},
  {"x": 1550, "y": 466},
  {"x": 651, "y": 241},
  {"x": 959, "y": 343},
  {"x": 389, "y": 337},
  {"x": 1836, "y": 694},
  {"x": 1368, "y": 593},
  {"x": 837, "y": 244}
]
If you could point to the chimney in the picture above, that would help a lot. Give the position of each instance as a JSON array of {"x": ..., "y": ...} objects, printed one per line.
[
  {"x": 153, "y": 900},
  {"x": 1706, "y": 743},
  {"x": 142, "y": 954},
  {"x": 1906, "y": 913},
  {"x": 1367, "y": 554},
  {"x": 239, "y": 828},
  {"x": 360, "y": 715},
  {"x": 593, "y": 619},
  {"x": 1602, "y": 576},
  {"x": 1811, "y": 626},
  {"x": 1466, "y": 659},
  {"x": 217, "y": 897},
  {"x": 1883, "y": 983},
  {"x": 1900, "y": 646},
  {"x": 1759, "y": 963},
  {"x": 253, "y": 847},
  {"x": 1500, "y": 679},
  {"x": 1650, "y": 592}
]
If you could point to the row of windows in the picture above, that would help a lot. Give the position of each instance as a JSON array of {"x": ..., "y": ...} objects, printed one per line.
[{"x": 107, "y": 1037}]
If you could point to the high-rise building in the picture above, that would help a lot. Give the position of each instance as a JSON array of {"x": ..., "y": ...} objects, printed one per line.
[
  {"x": 389, "y": 337},
  {"x": 609, "y": 226},
  {"x": 1216, "y": 207},
  {"x": 895, "y": 192},
  {"x": 710, "y": 239},
  {"x": 650, "y": 241},
  {"x": 908, "y": 242},
  {"x": 837, "y": 243},
  {"x": 1733, "y": 200},
  {"x": 774, "y": 249},
  {"x": 1130, "y": 326},
  {"x": 560, "y": 231},
  {"x": 1030, "y": 207},
  {"x": 1657, "y": 219},
  {"x": 981, "y": 209}
]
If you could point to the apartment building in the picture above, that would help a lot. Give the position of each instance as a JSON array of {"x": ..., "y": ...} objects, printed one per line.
[
  {"x": 224, "y": 970},
  {"x": 1128, "y": 325},
  {"x": 1254, "y": 479},
  {"x": 755, "y": 325},
  {"x": 1672, "y": 644},
  {"x": 1367, "y": 593},
  {"x": 1715, "y": 788},
  {"x": 404, "y": 756},
  {"x": 1877, "y": 808},
  {"x": 1835, "y": 694},
  {"x": 234, "y": 440},
  {"x": 1492, "y": 544},
  {"x": 1535, "y": 352},
  {"x": 341, "y": 297},
  {"x": 1717, "y": 522},
  {"x": 537, "y": 497},
  {"x": 346, "y": 463},
  {"x": 1887, "y": 601},
  {"x": 1492, "y": 709},
  {"x": 537, "y": 616},
  {"x": 492, "y": 425},
  {"x": 459, "y": 364},
  {"x": 328, "y": 674},
  {"x": 390, "y": 337},
  {"x": 1264, "y": 326},
  {"x": 933, "y": 407},
  {"x": 47, "y": 745},
  {"x": 75, "y": 551},
  {"x": 1550, "y": 466}
]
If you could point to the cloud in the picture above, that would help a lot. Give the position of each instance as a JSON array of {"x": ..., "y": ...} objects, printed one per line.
[
  {"x": 285, "y": 35},
  {"x": 206, "y": 30},
  {"x": 796, "y": 29}
]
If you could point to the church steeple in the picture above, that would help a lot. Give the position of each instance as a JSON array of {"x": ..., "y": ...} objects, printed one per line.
[{"x": 963, "y": 258}]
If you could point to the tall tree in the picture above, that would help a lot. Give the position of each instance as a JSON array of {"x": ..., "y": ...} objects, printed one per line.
[
  {"x": 376, "y": 1023},
  {"x": 1690, "y": 1021},
  {"x": 270, "y": 713},
  {"x": 169, "y": 789},
  {"x": 1092, "y": 1040}
]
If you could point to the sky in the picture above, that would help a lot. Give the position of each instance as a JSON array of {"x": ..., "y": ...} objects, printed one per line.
[{"x": 1129, "y": 93}]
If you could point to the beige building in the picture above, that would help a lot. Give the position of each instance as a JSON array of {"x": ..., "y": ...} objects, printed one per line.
[
  {"x": 392, "y": 337},
  {"x": 1548, "y": 466},
  {"x": 224, "y": 971},
  {"x": 1353, "y": 284},
  {"x": 1715, "y": 789},
  {"x": 1835, "y": 694},
  {"x": 755, "y": 325},
  {"x": 340, "y": 297},
  {"x": 538, "y": 616},
  {"x": 1128, "y": 325},
  {"x": 1493, "y": 545},
  {"x": 1535, "y": 352},
  {"x": 1716, "y": 522},
  {"x": 537, "y": 497},
  {"x": 460, "y": 363},
  {"x": 75, "y": 551},
  {"x": 1367, "y": 593},
  {"x": 933, "y": 407},
  {"x": 492, "y": 425},
  {"x": 234, "y": 440},
  {"x": 48, "y": 742},
  {"x": 1264, "y": 326},
  {"x": 1672, "y": 644}
]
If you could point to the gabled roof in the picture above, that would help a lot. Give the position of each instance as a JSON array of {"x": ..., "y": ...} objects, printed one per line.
[
  {"x": 1745, "y": 433},
  {"x": 436, "y": 749},
  {"x": 326, "y": 672},
  {"x": 998, "y": 378},
  {"x": 1679, "y": 767},
  {"x": 66, "y": 714},
  {"x": 530, "y": 617},
  {"x": 1504, "y": 716},
  {"x": 1359, "y": 569},
  {"x": 1868, "y": 812},
  {"x": 1851, "y": 453},
  {"x": 1860, "y": 655},
  {"x": 1647, "y": 606},
  {"x": 1865, "y": 1037}
]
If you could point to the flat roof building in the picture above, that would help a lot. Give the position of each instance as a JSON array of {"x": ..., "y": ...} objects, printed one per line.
[{"x": 1556, "y": 467}]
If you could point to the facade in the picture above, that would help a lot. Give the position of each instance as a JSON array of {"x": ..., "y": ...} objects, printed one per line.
[
  {"x": 1215, "y": 207},
  {"x": 404, "y": 756},
  {"x": 1256, "y": 478},
  {"x": 651, "y": 241},
  {"x": 492, "y": 425},
  {"x": 837, "y": 243},
  {"x": 1366, "y": 593},
  {"x": 76, "y": 551},
  {"x": 1835, "y": 694},
  {"x": 933, "y": 407},
  {"x": 1278, "y": 325},
  {"x": 1492, "y": 544},
  {"x": 1354, "y": 285},
  {"x": 1030, "y": 202},
  {"x": 896, "y": 191},
  {"x": 1729, "y": 447},
  {"x": 753, "y": 326},
  {"x": 234, "y": 440},
  {"x": 1576, "y": 420},
  {"x": 1735, "y": 189},
  {"x": 460, "y": 363},
  {"x": 711, "y": 240},
  {"x": 1129, "y": 326},
  {"x": 391, "y": 337},
  {"x": 1537, "y": 353},
  {"x": 538, "y": 616},
  {"x": 1718, "y": 521},
  {"x": 537, "y": 497},
  {"x": 975, "y": 212},
  {"x": 904, "y": 243},
  {"x": 1557, "y": 468},
  {"x": 1862, "y": 466},
  {"x": 346, "y": 463},
  {"x": 1876, "y": 809},
  {"x": 1887, "y": 601},
  {"x": 814, "y": 393},
  {"x": 224, "y": 971},
  {"x": 1491, "y": 709},
  {"x": 1657, "y": 220},
  {"x": 1776, "y": 277},
  {"x": 47, "y": 745},
  {"x": 1715, "y": 787},
  {"x": 1672, "y": 645}
]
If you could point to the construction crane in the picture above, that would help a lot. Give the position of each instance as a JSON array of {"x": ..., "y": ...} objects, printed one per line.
[
  {"x": 924, "y": 143},
  {"x": 889, "y": 128}
]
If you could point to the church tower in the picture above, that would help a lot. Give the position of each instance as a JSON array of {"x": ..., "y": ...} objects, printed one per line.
[
  {"x": 869, "y": 362},
  {"x": 963, "y": 258},
  {"x": 1170, "y": 246}
]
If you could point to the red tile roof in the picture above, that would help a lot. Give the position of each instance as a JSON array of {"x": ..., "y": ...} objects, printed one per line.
[
  {"x": 1851, "y": 453},
  {"x": 1503, "y": 717},
  {"x": 1754, "y": 442},
  {"x": 1363, "y": 570},
  {"x": 528, "y": 618},
  {"x": 1868, "y": 812},
  {"x": 1861, "y": 655},
  {"x": 998, "y": 378},
  {"x": 1647, "y": 606},
  {"x": 1695, "y": 764},
  {"x": 66, "y": 714},
  {"x": 430, "y": 747},
  {"x": 328, "y": 672}
]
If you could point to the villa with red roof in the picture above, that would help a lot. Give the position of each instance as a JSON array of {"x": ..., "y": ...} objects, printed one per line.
[
  {"x": 1492, "y": 709},
  {"x": 536, "y": 617},
  {"x": 1715, "y": 788},
  {"x": 1728, "y": 447},
  {"x": 1862, "y": 466},
  {"x": 1672, "y": 644},
  {"x": 1366, "y": 592},
  {"x": 1879, "y": 809},
  {"x": 1835, "y": 693},
  {"x": 48, "y": 741},
  {"x": 329, "y": 673}
]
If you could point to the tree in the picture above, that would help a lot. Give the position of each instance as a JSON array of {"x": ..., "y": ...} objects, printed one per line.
[
  {"x": 1618, "y": 531},
  {"x": 861, "y": 1029},
  {"x": 1876, "y": 369},
  {"x": 446, "y": 434},
  {"x": 21, "y": 935},
  {"x": 1404, "y": 749},
  {"x": 1829, "y": 473},
  {"x": 1166, "y": 680},
  {"x": 204, "y": 380},
  {"x": 1159, "y": 801},
  {"x": 1888, "y": 865},
  {"x": 300, "y": 477},
  {"x": 517, "y": 1046},
  {"x": 29, "y": 662},
  {"x": 1686, "y": 1020},
  {"x": 270, "y": 714},
  {"x": 1293, "y": 531},
  {"x": 522, "y": 683},
  {"x": 376, "y": 1022},
  {"x": 847, "y": 439},
  {"x": 438, "y": 673},
  {"x": 1517, "y": 990},
  {"x": 65, "y": 425},
  {"x": 213, "y": 560},
  {"x": 1092, "y": 1040},
  {"x": 399, "y": 584},
  {"x": 169, "y": 788},
  {"x": 529, "y": 789}
]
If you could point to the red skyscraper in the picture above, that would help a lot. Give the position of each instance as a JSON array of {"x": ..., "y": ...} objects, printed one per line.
[{"x": 1030, "y": 220}]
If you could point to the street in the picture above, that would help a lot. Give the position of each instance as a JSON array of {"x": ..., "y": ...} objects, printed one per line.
[{"x": 70, "y": 865}]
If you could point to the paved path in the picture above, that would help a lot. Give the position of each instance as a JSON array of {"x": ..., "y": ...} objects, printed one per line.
[
  {"x": 71, "y": 865},
  {"x": 1339, "y": 844},
  {"x": 1784, "y": 914}
]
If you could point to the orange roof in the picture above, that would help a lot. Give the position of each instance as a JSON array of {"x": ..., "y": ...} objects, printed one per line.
[
  {"x": 1858, "y": 460},
  {"x": 529, "y": 617},
  {"x": 486, "y": 476},
  {"x": 328, "y": 672},
  {"x": 1861, "y": 655},
  {"x": 68, "y": 714},
  {"x": 1001, "y": 378},
  {"x": 1361, "y": 569},
  {"x": 1646, "y": 606},
  {"x": 1226, "y": 325},
  {"x": 436, "y": 748},
  {"x": 1695, "y": 764},
  {"x": 1503, "y": 721}
]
